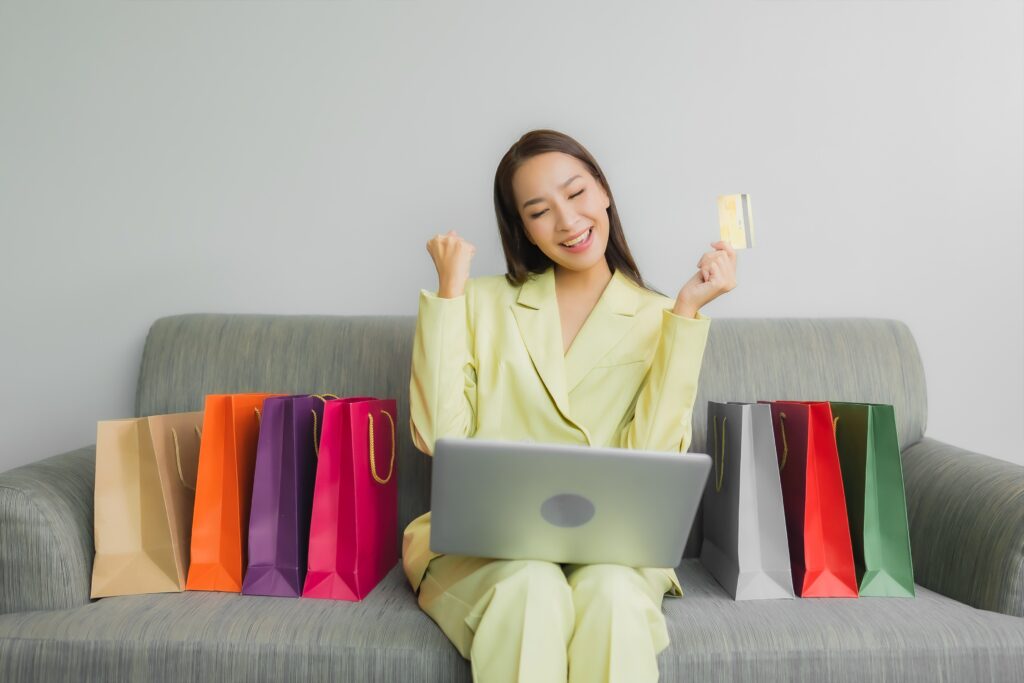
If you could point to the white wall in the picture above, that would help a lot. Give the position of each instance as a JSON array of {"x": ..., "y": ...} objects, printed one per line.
[{"x": 167, "y": 157}]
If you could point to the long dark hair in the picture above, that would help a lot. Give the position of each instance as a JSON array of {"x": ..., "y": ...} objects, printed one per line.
[{"x": 523, "y": 257}]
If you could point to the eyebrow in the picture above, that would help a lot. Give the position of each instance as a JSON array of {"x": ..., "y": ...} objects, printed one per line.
[{"x": 537, "y": 200}]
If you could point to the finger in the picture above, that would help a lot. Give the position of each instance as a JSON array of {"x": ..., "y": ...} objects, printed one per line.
[
  {"x": 716, "y": 272},
  {"x": 725, "y": 246},
  {"x": 716, "y": 257}
]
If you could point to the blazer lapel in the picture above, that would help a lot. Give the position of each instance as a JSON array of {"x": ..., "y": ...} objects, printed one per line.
[
  {"x": 604, "y": 328},
  {"x": 536, "y": 314},
  {"x": 540, "y": 325}
]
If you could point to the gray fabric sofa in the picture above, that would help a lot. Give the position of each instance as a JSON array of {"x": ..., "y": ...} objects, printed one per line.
[{"x": 966, "y": 516}]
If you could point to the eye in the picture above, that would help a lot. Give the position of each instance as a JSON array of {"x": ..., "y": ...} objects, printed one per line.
[{"x": 541, "y": 213}]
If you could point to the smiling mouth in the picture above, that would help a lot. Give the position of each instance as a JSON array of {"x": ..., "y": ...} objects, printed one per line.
[{"x": 579, "y": 238}]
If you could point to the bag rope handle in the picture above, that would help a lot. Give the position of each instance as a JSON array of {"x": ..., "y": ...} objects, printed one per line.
[
  {"x": 177, "y": 456},
  {"x": 259, "y": 418},
  {"x": 835, "y": 426},
  {"x": 316, "y": 438},
  {"x": 323, "y": 397},
  {"x": 719, "y": 471},
  {"x": 373, "y": 460},
  {"x": 785, "y": 445}
]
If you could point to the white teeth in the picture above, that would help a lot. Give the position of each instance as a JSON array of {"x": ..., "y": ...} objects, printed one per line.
[{"x": 578, "y": 239}]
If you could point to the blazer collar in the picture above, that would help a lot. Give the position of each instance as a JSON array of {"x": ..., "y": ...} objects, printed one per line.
[
  {"x": 620, "y": 295},
  {"x": 536, "y": 313}
]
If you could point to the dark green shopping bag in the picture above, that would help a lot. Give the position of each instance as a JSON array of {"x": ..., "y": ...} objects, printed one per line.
[{"x": 869, "y": 456}]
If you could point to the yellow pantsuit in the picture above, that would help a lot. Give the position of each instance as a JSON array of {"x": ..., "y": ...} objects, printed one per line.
[{"x": 489, "y": 364}]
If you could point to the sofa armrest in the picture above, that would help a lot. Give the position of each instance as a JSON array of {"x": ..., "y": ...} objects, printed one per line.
[
  {"x": 966, "y": 514},
  {"x": 46, "y": 533}
]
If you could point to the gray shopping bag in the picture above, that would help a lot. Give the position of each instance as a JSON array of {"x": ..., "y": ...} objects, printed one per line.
[{"x": 745, "y": 544}]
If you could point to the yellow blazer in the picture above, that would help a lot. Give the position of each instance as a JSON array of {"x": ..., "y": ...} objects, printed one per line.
[{"x": 489, "y": 364}]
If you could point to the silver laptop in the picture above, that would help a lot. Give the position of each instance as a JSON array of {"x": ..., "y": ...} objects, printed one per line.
[{"x": 564, "y": 503}]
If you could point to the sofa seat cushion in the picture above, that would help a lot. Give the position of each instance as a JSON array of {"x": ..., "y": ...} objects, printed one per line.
[
  {"x": 206, "y": 636},
  {"x": 226, "y": 637},
  {"x": 926, "y": 638}
]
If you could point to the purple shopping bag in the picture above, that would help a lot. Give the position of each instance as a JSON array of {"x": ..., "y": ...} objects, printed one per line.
[{"x": 282, "y": 495}]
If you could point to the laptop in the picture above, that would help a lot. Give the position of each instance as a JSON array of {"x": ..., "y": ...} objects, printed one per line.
[{"x": 563, "y": 503}]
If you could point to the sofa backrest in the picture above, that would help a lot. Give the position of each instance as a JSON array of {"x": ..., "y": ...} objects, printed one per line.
[{"x": 189, "y": 356}]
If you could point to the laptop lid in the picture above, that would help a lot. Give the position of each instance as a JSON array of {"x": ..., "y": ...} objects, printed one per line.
[{"x": 564, "y": 503}]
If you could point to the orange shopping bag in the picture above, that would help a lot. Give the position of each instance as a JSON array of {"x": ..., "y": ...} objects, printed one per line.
[{"x": 220, "y": 520}]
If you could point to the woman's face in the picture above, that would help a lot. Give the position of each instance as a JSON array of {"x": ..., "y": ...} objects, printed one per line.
[{"x": 559, "y": 201}]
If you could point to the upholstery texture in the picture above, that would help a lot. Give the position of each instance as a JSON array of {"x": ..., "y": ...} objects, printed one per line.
[
  {"x": 926, "y": 638},
  {"x": 819, "y": 359},
  {"x": 46, "y": 533},
  {"x": 386, "y": 638},
  {"x": 966, "y": 514}
]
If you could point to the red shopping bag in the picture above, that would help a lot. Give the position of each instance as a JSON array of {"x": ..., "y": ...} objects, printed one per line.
[
  {"x": 354, "y": 524},
  {"x": 821, "y": 552}
]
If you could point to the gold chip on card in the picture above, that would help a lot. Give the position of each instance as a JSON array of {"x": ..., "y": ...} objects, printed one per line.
[{"x": 735, "y": 220}]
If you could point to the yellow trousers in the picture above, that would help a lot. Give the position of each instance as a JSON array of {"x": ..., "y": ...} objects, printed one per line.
[{"x": 531, "y": 621}]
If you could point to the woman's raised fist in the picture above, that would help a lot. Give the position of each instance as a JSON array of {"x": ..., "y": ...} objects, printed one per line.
[{"x": 451, "y": 255}]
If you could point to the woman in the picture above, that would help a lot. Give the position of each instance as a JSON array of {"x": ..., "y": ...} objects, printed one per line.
[{"x": 568, "y": 346}]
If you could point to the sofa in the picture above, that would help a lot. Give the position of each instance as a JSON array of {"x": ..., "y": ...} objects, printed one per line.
[{"x": 966, "y": 515}]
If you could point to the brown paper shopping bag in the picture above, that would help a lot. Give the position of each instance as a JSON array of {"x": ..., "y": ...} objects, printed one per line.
[{"x": 145, "y": 482}]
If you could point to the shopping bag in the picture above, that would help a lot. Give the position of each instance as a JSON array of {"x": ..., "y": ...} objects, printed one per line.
[
  {"x": 220, "y": 521},
  {"x": 812, "y": 493},
  {"x": 354, "y": 526},
  {"x": 145, "y": 474},
  {"x": 282, "y": 495},
  {"x": 745, "y": 545},
  {"x": 876, "y": 504}
]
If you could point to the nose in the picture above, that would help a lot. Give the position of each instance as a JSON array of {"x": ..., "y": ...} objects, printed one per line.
[{"x": 567, "y": 219}]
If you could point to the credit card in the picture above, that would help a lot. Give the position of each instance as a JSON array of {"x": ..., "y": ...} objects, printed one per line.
[{"x": 735, "y": 220}]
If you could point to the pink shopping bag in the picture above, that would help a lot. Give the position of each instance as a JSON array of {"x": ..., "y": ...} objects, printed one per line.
[{"x": 354, "y": 524}]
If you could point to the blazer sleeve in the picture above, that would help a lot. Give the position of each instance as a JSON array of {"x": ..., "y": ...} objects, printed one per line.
[
  {"x": 442, "y": 388},
  {"x": 663, "y": 412}
]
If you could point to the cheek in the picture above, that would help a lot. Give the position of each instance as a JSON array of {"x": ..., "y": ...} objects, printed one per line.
[
  {"x": 531, "y": 233},
  {"x": 596, "y": 203},
  {"x": 597, "y": 210},
  {"x": 537, "y": 232}
]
